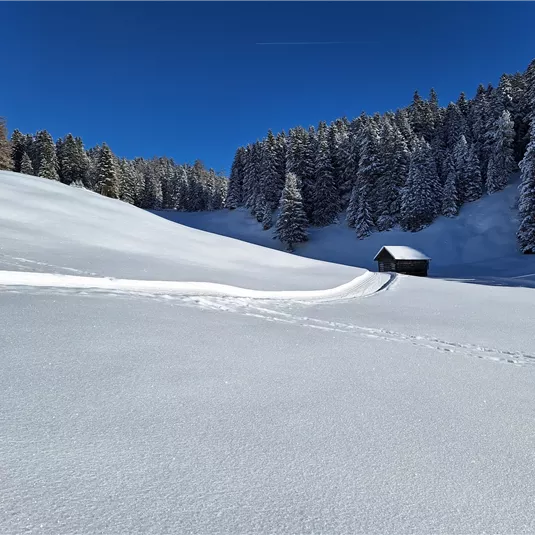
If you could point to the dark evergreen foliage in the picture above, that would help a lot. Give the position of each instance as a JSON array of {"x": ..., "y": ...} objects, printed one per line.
[
  {"x": 153, "y": 184},
  {"x": 6, "y": 162},
  {"x": 292, "y": 221},
  {"x": 526, "y": 205}
]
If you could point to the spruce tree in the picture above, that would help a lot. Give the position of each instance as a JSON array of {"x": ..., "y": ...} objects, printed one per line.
[
  {"x": 72, "y": 160},
  {"x": 46, "y": 149},
  {"x": 371, "y": 165},
  {"x": 308, "y": 177},
  {"x": 393, "y": 170},
  {"x": 26, "y": 166},
  {"x": 267, "y": 216},
  {"x": 501, "y": 163},
  {"x": 292, "y": 221},
  {"x": 474, "y": 185},
  {"x": 463, "y": 105},
  {"x": 349, "y": 156},
  {"x": 281, "y": 148},
  {"x": 401, "y": 118},
  {"x": 352, "y": 208},
  {"x": 450, "y": 201},
  {"x": 526, "y": 205},
  {"x": 252, "y": 172},
  {"x": 326, "y": 203},
  {"x": 107, "y": 174},
  {"x": 18, "y": 149},
  {"x": 460, "y": 162},
  {"x": 363, "y": 219},
  {"x": 478, "y": 119},
  {"x": 422, "y": 193},
  {"x": 235, "y": 189},
  {"x": 6, "y": 163},
  {"x": 422, "y": 115},
  {"x": 126, "y": 180},
  {"x": 455, "y": 125},
  {"x": 269, "y": 169}
]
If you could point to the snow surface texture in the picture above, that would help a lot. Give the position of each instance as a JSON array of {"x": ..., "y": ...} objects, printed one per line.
[
  {"x": 479, "y": 244},
  {"x": 153, "y": 406}
]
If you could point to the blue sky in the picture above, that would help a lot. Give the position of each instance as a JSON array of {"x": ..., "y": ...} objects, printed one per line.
[{"x": 188, "y": 80}]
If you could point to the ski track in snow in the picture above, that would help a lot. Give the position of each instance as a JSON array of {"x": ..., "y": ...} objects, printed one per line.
[
  {"x": 366, "y": 284},
  {"x": 249, "y": 303}
]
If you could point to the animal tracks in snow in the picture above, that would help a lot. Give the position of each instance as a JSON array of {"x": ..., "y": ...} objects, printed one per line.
[
  {"x": 255, "y": 303},
  {"x": 249, "y": 308}
]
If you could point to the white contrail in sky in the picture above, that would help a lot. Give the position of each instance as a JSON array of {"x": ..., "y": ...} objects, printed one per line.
[{"x": 316, "y": 43}]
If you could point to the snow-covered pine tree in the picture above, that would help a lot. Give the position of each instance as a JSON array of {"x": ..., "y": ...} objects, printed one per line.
[
  {"x": 291, "y": 227},
  {"x": 526, "y": 204},
  {"x": 463, "y": 105},
  {"x": 251, "y": 182},
  {"x": 125, "y": 178},
  {"x": 269, "y": 180},
  {"x": 478, "y": 120},
  {"x": 267, "y": 215},
  {"x": 235, "y": 188},
  {"x": 26, "y": 166},
  {"x": 46, "y": 149},
  {"x": 337, "y": 134},
  {"x": 474, "y": 183},
  {"x": 460, "y": 163},
  {"x": 185, "y": 191},
  {"x": 363, "y": 219},
  {"x": 450, "y": 200},
  {"x": 394, "y": 156},
  {"x": 6, "y": 163},
  {"x": 504, "y": 95},
  {"x": 326, "y": 204},
  {"x": 296, "y": 150},
  {"x": 107, "y": 174},
  {"x": 30, "y": 147},
  {"x": 422, "y": 193},
  {"x": 352, "y": 208},
  {"x": 455, "y": 125},
  {"x": 281, "y": 147},
  {"x": 72, "y": 160},
  {"x": 220, "y": 192},
  {"x": 422, "y": 117},
  {"x": 93, "y": 156},
  {"x": 401, "y": 118},
  {"x": 371, "y": 164},
  {"x": 501, "y": 162},
  {"x": 196, "y": 201},
  {"x": 18, "y": 149},
  {"x": 308, "y": 178},
  {"x": 349, "y": 156}
]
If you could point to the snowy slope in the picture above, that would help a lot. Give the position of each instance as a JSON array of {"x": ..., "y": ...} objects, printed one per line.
[
  {"x": 479, "y": 243},
  {"x": 46, "y": 226},
  {"x": 166, "y": 395}
]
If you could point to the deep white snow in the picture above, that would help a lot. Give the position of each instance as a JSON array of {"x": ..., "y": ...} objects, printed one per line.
[{"x": 135, "y": 401}]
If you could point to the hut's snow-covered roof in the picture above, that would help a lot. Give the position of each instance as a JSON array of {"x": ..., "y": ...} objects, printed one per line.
[{"x": 402, "y": 252}]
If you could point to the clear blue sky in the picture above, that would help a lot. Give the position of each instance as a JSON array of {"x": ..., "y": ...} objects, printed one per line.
[{"x": 188, "y": 80}]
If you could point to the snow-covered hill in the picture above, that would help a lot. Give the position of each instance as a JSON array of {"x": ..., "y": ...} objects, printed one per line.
[
  {"x": 480, "y": 243},
  {"x": 47, "y": 226},
  {"x": 146, "y": 387}
]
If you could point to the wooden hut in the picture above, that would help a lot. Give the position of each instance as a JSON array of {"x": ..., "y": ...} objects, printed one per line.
[{"x": 402, "y": 259}]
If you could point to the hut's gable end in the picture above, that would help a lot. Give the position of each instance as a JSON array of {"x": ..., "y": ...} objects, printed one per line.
[{"x": 384, "y": 256}]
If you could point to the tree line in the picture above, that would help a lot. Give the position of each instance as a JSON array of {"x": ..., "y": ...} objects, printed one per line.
[
  {"x": 401, "y": 168},
  {"x": 157, "y": 183}
]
